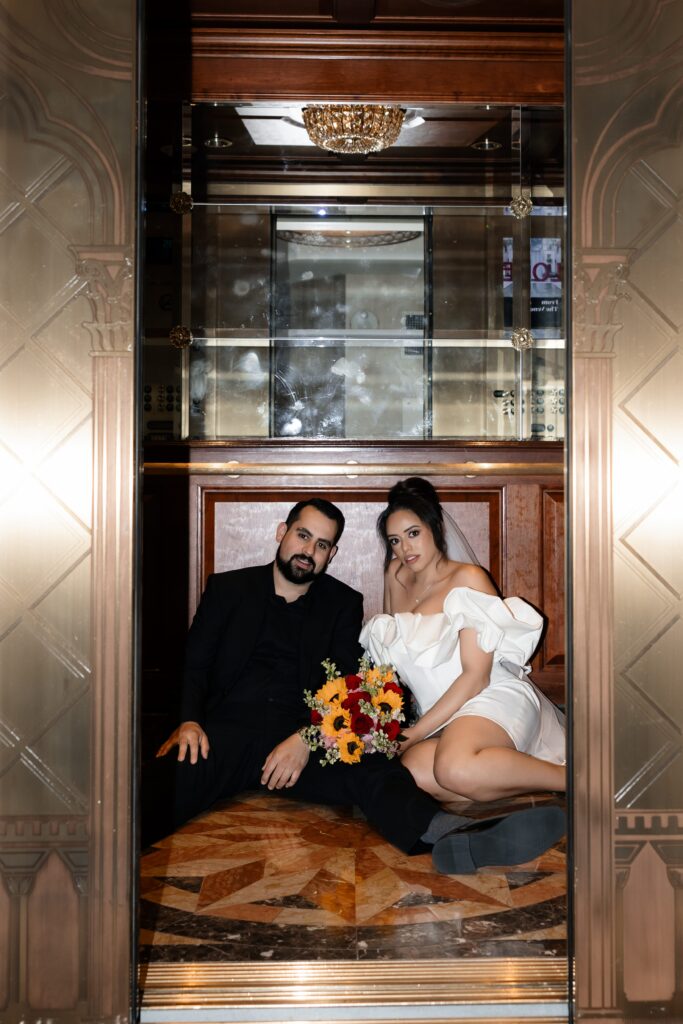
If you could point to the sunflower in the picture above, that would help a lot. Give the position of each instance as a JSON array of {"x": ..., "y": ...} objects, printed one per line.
[
  {"x": 372, "y": 677},
  {"x": 387, "y": 701},
  {"x": 335, "y": 690},
  {"x": 336, "y": 721},
  {"x": 350, "y": 747}
]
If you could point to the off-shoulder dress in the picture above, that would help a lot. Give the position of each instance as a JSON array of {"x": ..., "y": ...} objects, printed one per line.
[{"x": 425, "y": 650}]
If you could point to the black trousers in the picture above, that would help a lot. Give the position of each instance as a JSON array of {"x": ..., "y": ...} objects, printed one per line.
[{"x": 173, "y": 792}]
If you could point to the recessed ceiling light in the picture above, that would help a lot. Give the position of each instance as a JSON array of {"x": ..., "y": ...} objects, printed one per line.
[
  {"x": 216, "y": 142},
  {"x": 486, "y": 144}
]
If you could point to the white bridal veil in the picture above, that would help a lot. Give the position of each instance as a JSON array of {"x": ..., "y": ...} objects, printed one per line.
[{"x": 458, "y": 547}]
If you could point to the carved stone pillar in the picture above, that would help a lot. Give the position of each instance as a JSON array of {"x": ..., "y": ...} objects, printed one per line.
[
  {"x": 107, "y": 275},
  {"x": 597, "y": 286}
]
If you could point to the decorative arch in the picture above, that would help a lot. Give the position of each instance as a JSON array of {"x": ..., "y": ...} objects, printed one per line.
[
  {"x": 92, "y": 152},
  {"x": 621, "y": 144}
]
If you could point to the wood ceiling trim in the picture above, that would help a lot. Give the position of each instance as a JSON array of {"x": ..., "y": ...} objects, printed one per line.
[
  {"x": 384, "y": 14},
  {"x": 472, "y": 67}
]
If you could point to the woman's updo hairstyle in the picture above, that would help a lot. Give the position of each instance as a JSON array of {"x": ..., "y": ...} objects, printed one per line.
[{"x": 413, "y": 495}]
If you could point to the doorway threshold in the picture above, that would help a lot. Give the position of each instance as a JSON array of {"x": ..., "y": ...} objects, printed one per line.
[{"x": 512, "y": 989}]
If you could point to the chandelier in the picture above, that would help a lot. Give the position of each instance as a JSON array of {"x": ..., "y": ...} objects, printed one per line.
[{"x": 353, "y": 127}]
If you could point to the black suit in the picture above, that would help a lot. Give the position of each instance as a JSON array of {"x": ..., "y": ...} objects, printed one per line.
[
  {"x": 226, "y": 630},
  {"x": 223, "y": 636}
]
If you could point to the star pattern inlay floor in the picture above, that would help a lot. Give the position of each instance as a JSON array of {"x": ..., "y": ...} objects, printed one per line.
[{"x": 264, "y": 877}]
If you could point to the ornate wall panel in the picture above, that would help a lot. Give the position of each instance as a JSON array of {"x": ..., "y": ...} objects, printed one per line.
[
  {"x": 67, "y": 121},
  {"x": 239, "y": 530},
  {"x": 627, "y": 505}
]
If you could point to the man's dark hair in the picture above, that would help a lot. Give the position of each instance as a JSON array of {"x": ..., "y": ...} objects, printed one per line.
[
  {"x": 322, "y": 505},
  {"x": 418, "y": 496}
]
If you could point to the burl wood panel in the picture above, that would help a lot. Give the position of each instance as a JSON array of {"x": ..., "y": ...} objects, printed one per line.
[
  {"x": 553, "y": 558},
  {"x": 533, "y": 568},
  {"x": 240, "y": 530},
  {"x": 53, "y": 938},
  {"x": 522, "y": 542}
]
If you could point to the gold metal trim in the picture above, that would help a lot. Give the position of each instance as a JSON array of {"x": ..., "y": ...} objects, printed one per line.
[
  {"x": 508, "y": 980},
  {"x": 494, "y": 193},
  {"x": 180, "y": 337},
  {"x": 468, "y": 470},
  {"x": 522, "y": 338},
  {"x": 181, "y": 202},
  {"x": 558, "y": 1018}
]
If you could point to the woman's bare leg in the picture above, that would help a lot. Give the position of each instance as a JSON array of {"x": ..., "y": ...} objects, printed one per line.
[
  {"x": 419, "y": 760},
  {"x": 477, "y": 759}
]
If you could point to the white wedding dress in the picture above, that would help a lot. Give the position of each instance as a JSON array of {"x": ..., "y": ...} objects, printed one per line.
[{"x": 425, "y": 651}]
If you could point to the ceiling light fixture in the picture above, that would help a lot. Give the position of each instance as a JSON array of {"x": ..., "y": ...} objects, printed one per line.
[
  {"x": 217, "y": 142},
  {"x": 336, "y": 239},
  {"x": 353, "y": 127},
  {"x": 486, "y": 144}
]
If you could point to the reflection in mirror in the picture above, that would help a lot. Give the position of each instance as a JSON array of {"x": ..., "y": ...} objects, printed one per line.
[
  {"x": 349, "y": 327},
  {"x": 375, "y": 323}
]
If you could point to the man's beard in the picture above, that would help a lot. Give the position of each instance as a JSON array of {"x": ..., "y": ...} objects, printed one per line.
[{"x": 295, "y": 573}]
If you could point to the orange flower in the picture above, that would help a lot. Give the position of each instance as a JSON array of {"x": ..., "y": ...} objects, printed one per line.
[
  {"x": 387, "y": 701},
  {"x": 334, "y": 691},
  {"x": 388, "y": 676},
  {"x": 336, "y": 721},
  {"x": 372, "y": 677},
  {"x": 350, "y": 747}
]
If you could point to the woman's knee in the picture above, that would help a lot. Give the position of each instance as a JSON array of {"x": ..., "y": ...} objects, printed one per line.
[
  {"x": 420, "y": 764},
  {"x": 459, "y": 774}
]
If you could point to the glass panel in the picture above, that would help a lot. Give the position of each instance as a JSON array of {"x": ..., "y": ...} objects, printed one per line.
[
  {"x": 343, "y": 320},
  {"x": 379, "y": 323},
  {"x": 348, "y": 351},
  {"x": 227, "y": 380},
  {"x": 481, "y": 386}
]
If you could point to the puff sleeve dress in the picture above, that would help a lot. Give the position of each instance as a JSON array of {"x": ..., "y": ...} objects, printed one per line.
[{"x": 425, "y": 651}]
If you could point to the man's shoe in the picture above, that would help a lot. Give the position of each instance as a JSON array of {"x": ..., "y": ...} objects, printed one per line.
[{"x": 512, "y": 839}]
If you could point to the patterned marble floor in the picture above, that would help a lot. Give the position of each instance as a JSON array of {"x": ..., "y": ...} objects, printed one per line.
[{"x": 266, "y": 878}]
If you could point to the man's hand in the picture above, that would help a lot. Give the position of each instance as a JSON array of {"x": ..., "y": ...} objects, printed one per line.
[
  {"x": 285, "y": 763},
  {"x": 188, "y": 735}
]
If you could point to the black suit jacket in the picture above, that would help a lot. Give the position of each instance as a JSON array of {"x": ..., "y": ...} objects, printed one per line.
[{"x": 227, "y": 626}]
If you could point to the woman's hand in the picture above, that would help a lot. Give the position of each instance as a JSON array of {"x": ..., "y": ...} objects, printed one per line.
[{"x": 409, "y": 739}]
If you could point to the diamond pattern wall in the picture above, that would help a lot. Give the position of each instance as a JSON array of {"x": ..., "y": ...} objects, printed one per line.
[
  {"x": 46, "y": 496},
  {"x": 648, "y": 496}
]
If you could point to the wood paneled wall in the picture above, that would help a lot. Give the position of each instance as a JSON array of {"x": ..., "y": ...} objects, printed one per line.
[{"x": 510, "y": 507}]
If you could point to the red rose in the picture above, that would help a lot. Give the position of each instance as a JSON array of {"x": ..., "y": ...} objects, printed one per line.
[
  {"x": 353, "y": 682},
  {"x": 361, "y": 723},
  {"x": 354, "y": 699},
  {"x": 393, "y": 686},
  {"x": 392, "y": 729},
  {"x": 316, "y": 717}
]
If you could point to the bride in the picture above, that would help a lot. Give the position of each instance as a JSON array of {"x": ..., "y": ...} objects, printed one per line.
[{"x": 483, "y": 731}]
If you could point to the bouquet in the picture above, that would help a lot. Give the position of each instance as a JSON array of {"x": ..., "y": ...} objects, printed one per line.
[{"x": 356, "y": 714}]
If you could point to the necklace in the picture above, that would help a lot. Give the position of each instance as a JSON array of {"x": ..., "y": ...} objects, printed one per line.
[{"x": 426, "y": 591}]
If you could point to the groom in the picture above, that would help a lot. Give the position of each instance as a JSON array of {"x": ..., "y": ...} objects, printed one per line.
[{"x": 256, "y": 643}]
